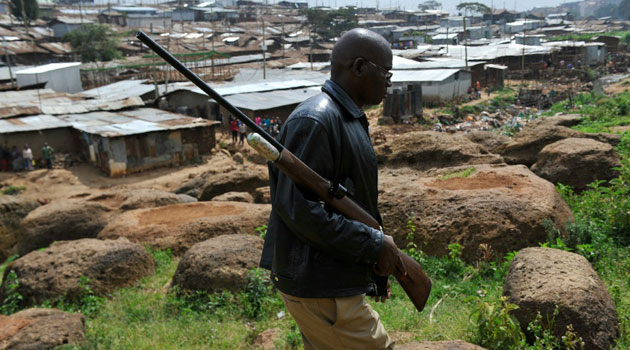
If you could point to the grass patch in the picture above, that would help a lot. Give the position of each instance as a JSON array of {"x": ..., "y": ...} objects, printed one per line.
[
  {"x": 13, "y": 190},
  {"x": 458, "y": 174}
]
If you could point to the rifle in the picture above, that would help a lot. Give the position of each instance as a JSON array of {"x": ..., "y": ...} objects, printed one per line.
[{"x": 415, "y": 283}]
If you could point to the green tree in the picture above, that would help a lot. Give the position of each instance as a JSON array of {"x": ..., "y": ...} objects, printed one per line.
[
  {"x": 474, "y": 7},
  {"x": 429, "y": 5},
  {"x": 30, "y": 10},
  {"x": 93, "y": 42},
  {"x": 331, "y": 24}
]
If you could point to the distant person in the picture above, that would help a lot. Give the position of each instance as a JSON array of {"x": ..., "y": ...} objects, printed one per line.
[
  {"x": 27, "y": 155},
  {"x": 5, "y": 158},
  {"x": 258, "y": 120},
  {"x": 47, "y": 153},
  {"x": 234, "y": 129},
  {"x": 16, "y": 159},
  {"x": 242, "y": 131}
]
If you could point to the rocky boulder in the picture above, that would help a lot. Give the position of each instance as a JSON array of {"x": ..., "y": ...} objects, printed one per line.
[
  {"x": 425, "y": 150},
  {"x": 41, "y": 329},
  {"x": 240, "y": 180},
  {"x": 234, "y": 197},
  {"x": 567, "y": 120},
  {"x": 498, "y": 205},
  {"x": 539, "y": 279},
  {"x": 488, "y": 139},
  {"x": 61, "y": 220},
  {"x": 191, "y": 187},
  {"x": 577, "y": 162},
  {"x": 12, "y": 210},
  {"x": 135, "y": 199},
  {"x": 220, "y": 263},
  {"x": 262, "y": 195},
  {"x": 525, "y": 146},
  {"x": 178, "y": 227},
  {"x": 439, "y": 345},
  {"x": 56, "y": 272}
]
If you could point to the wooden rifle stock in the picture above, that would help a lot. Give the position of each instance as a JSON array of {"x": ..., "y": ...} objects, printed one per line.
[{"x": 416, "y": 284}]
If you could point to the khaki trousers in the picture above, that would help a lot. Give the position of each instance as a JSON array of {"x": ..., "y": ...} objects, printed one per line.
[{"x": 338, "y": 323}]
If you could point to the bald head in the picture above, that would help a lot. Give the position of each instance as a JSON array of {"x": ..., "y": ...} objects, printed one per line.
[{"x": 355, "y": 43}]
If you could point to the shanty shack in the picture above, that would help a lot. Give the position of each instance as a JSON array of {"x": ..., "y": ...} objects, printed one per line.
[
  {"x": 119, "y": 143},
  {"x": 137, "y": 140},
  {"x": 437, "y": 85}
]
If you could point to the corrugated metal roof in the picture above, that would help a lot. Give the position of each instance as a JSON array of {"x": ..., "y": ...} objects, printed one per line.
[
  {"x": 32, "y": 123},
  {"x": 46, "y": 101},
  {"x": 72, "y": 20},
  {"x": 21, "y": 47},
  {"x": 572, "y": 44},
  {"x": 245, "y": 88},
  {"x": 57, "y": 48},
  {"x": 119, "y": 90},
  {"x": 49, "y": 67},
  {"x": 138, "y": 121},
  {"x": 490, "y": 52},
  {"x": 4, "y": 71},
  {"x": 272, "y": 99},
  {"x": 422, "y": 75}
]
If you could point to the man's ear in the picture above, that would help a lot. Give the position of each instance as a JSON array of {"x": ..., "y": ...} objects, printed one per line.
[{"x": 358, "y": 66}]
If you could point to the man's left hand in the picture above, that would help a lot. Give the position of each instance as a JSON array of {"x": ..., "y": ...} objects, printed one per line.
[{"x": 383, "y": 298}]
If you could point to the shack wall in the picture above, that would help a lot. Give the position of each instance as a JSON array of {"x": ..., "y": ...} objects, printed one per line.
[{"x": 125, "y": 155}]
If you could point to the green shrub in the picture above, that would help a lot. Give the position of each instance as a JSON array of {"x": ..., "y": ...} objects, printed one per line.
[
  {"x": 494, "y": 328},
  {"x": 13, "y": 299}
]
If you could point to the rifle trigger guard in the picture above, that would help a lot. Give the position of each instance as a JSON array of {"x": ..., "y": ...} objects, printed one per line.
[{"x": 337, "y": 190}]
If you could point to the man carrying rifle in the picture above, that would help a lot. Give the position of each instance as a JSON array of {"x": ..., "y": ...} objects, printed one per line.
[{"x": 323, "y": 263}]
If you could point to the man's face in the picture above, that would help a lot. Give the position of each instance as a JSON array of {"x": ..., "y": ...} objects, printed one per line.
[{"x": 378, "y": 77}]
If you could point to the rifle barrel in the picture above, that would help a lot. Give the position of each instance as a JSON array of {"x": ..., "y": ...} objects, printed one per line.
[{"x": 194, "y": 78}]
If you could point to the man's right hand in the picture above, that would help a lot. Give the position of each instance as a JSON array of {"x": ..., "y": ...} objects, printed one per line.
[{"x": 390, "y": 259}]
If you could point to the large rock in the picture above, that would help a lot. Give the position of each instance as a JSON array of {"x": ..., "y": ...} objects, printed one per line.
[
  {"x": 41, "y": 329},
  {"x": 240, "y": 180},
  {"x": 439, "y": 345},
  {"x": 499, "y": 205},
  {"x": 488, "y": 139},
  {"x": 56, "y": 271},
  {"x": 61, "y": 220},
  {"x": 525, "y": 146},
  {"x": 178, "y": 227},
  {"x": 136, "y": 199},
  {"x": 567, "y": 120},
  {"x": 540, "y": 279},
  {"x": 425, "y": 150},
  {"x": 191, "y": 187},
  {"x": 220, "y": 263},
  {"x": 12, "y": 210},
  {"x": 577, "y": 162},
  {"x": 244, "y": 197}
]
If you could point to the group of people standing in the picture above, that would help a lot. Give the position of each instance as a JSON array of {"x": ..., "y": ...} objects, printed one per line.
[
  {"x": 239, "y": 129},
  {"x": 12, "y": 159}
]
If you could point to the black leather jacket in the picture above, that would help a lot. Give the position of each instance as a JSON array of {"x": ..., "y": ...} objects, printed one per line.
[{"x": 311, "y": 250}]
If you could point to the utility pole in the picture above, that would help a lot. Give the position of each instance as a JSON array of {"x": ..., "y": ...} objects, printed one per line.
[
  {"x": 6, "y": 52},
  {"x": 24, "y": 18},
  {"x": 465, "y": 41},
  {"x": 214, "y": 33},
  {"x": 523, "y": 53},
  {"x": 264, "y": 48},
  {"x": 168, "y": 44}
]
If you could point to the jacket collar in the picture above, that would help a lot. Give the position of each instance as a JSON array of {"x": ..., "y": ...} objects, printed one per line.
[{"x": 340, "y": 95}]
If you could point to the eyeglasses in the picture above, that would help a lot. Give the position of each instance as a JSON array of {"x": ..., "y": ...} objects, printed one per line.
[{"x": 388, "y": 74}]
